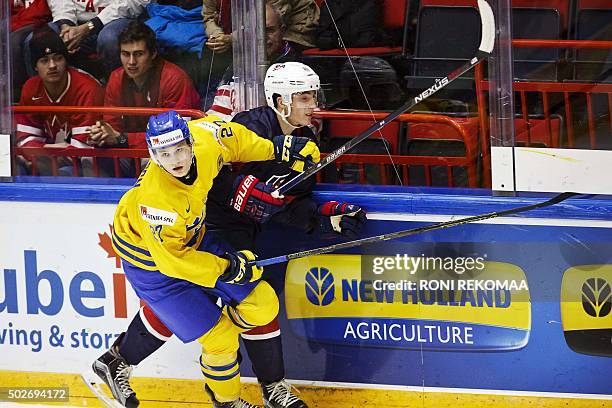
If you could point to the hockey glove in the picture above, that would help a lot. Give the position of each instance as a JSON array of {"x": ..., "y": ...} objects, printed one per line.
[
  {"x": 254, "y": 199},
  {"x": 299, "y": 152},
  {"x": 240, "y": 271},
  {"x": 342, "y": 218}
]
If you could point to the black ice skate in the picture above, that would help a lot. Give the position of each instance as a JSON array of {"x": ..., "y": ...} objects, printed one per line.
[
  {"x": 280, "y": 395},
  {"x": 239, "y": 403},
  {"x": 115, "y": 372}
]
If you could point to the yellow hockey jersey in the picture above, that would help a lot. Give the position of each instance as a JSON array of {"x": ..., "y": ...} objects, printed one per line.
[{"x": 159, "y": 222}]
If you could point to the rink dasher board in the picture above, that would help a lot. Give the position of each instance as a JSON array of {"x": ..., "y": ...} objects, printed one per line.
[{"x": 88, "y": 315}]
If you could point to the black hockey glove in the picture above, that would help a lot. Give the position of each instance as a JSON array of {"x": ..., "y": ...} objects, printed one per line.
[
  {"x": 254, "y": 199},
  {"x": 240, "y": 271},
  {"x": 342, "y": 218},
  {"x": 299, "y": 152}
]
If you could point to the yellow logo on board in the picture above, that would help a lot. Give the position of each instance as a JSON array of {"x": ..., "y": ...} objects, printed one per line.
[
  {"x": 586, "y": 298},
  {"x": 586, "y": 305}
]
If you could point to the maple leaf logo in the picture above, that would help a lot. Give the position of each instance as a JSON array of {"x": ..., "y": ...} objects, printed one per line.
[{"x": 106, "y": 244}]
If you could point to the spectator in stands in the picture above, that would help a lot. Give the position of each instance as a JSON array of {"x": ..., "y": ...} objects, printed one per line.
[
  {"x": 25, "y": 15},
  {"x": 178, "y": 30},
  {"x": 185, "y": 4},
  {"x": 29, "y": 13},
  {"x": 277, "y": 50},
  {"x": 55, "y": 85},
  {"x": 145, "y": 80},
  {"x": 218, "y": 24},
  {"x": 216, "y": 53},
  {"x": 301, "y": 17},
  {"x": 92, "y": 26}
]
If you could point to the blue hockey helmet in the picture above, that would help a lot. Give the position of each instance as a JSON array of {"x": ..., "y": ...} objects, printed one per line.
[{"x": 166, "y": 129}]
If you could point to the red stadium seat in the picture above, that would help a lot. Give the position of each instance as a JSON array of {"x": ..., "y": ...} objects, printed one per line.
[
  {"x": 439, "y": 140},
  {"x": 352, "y": 127},
  {"x": 594, "y": 24},
  {"x": 438, "y": 151},
  {"x": 535, "y": 132},
  {"x": 439, "y": 131},
  {"x": 341, "y": 130},
  {"x": 562, "y": 6},
  {"x": 353, "y": 52},
  {"x": 536, "y": 64},
  {"x": 595, "y": 4},
  {"x": 394, "y": 14},
  {"x": 449, "y": 3}
]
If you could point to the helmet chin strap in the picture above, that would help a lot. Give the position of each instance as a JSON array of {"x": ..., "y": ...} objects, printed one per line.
[{"x": 284, "y": 116}]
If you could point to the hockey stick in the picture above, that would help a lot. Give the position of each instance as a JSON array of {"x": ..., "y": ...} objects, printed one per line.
[
  {"x": 399, "y": 234},
  {"x": 484, "y": 50}
]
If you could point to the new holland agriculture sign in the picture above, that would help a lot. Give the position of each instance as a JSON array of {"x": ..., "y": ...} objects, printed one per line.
[{"x": 327, "y": 300}]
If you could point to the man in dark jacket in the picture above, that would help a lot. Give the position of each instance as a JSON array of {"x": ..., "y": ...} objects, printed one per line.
[{"x": 277, "y": 50}]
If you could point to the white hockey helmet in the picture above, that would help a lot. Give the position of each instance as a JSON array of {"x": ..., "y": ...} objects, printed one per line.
[{"x": 288, "y": 78}]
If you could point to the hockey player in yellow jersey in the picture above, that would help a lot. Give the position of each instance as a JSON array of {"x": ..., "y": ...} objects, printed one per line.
[{"x": 196, "y": 284}]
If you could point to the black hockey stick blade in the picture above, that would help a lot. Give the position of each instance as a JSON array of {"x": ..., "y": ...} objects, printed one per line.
[
  {"x": 404, "y": 233},
  {"x": 487, "y": 42}
]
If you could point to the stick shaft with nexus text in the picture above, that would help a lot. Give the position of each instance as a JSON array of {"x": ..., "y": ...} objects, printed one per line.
[{"x": 484, "y": 50}]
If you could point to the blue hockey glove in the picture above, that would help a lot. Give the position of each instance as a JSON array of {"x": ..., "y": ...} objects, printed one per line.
[
  {"x": 342, "y": 218},
  {"x": 240, "y": 271},
  {"x": 254, "y": 199},
  {"x": 299, "y": 152}
]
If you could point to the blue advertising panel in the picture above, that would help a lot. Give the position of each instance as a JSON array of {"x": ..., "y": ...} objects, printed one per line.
[{"x": 517, "y": 304}]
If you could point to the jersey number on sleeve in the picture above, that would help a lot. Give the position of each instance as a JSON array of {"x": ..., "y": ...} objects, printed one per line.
[{"x": 226, "y": 132}]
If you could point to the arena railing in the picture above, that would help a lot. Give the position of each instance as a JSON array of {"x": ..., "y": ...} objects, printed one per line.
[
  {"x": 444, "y": 128},
  {"x": 74, "y": 154},
  {"x": 456, "y": 131},
  {"x": 559, "y": 101}
]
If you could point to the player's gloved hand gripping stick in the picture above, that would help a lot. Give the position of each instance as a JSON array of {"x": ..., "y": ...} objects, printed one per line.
[
  {"x": 253, "y": 198},
  {"x": 300, "y": 153},
  {"x": 241, "y": 268},
  {"x": 484, "y": 50},
  {"x": 340, "y": 218}
]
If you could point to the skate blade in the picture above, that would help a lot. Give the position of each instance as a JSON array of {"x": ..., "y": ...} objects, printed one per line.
[{"x": 94, "y": 383}]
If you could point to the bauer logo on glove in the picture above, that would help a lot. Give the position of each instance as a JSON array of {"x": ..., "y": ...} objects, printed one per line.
[
  {"x": 342, "y": 218},
  {"x": 299, "y": 152},
  {"x": 254, "y": 199}
]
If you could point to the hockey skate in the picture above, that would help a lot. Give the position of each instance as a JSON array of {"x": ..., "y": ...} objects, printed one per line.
[
  {"x": 280, "y": 395},
  {"x": 115, "y": 372},
  {"x": 239, "y": 403}
]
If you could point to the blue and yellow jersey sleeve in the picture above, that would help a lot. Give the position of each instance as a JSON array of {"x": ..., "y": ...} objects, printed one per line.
[
  {"x": 236, "y": 142},
  {"x": 156, "y": 232},
  {"x": 159, "y": 223}
]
